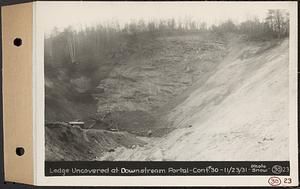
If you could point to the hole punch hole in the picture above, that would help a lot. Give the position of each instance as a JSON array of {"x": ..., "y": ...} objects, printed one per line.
[
  {"x": 20, "y": 151},
  {"x": 18, "y": 42}
]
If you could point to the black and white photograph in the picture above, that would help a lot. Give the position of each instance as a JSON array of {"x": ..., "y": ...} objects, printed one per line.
[
  {"x": 166, "y": 81},
  {"x": 150, "y": 93}
]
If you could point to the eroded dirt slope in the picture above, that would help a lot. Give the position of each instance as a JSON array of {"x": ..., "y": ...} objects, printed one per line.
[
  {"x": 239, "y": 113},
  {"x": 154, "y": 78},
  {"x": 138, "y": 92}
]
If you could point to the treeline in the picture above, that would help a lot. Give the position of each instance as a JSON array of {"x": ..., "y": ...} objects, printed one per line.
[
  {"x": 107, "y": 44},
  {"x": 275, "y": 25},
  {"x": 105, "y": 36}
]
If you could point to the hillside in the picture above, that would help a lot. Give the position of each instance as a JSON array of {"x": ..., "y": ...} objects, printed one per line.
[
  {"x": 201, "y": 97},
  {"x": 242, "y": 117},
  {"x": 138, "y": 92}
]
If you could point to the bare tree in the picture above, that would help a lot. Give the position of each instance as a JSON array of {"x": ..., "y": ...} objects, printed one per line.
[{"x": 278, "y": 22}]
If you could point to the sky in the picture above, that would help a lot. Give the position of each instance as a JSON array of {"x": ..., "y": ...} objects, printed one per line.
[{"x": 82, "y": 14}]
